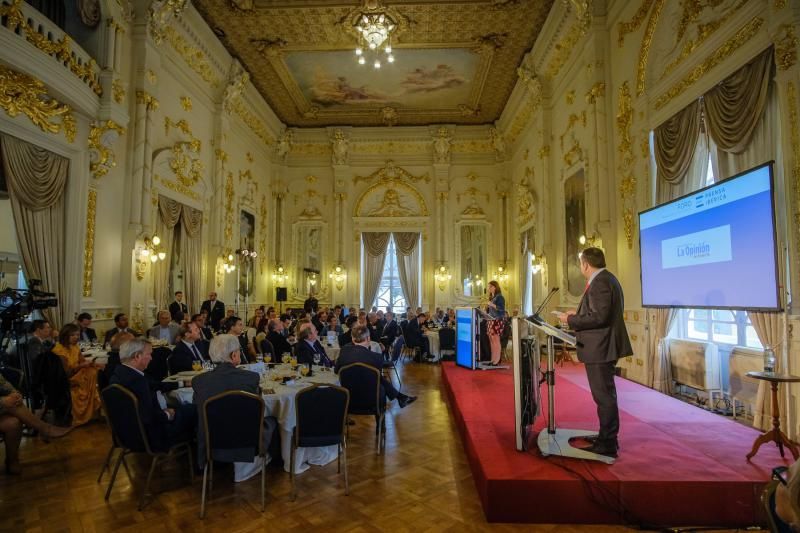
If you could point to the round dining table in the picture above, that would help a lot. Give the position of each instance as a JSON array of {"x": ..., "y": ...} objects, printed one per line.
[{"x": 279, "y": 402}]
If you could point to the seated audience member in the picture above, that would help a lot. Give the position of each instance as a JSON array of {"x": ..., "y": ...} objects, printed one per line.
[
  {"x": 256, "y": 318},
  {"x": 120, "y": 326},
  {"x": 415, "y": 336},
  {"x": 234, "y": 326},
  {"x": 334, "y": 326},
  {"x": 165, "y": 330},
  {"x": 358, "y": 352},
  {"x": 320, "y": 322},
  {"x": 188, "y": 350},
  {"x": 288, "y": 322},
  {"x": 205, "y": 331},
  {"x": 374, "y": 327},
  {"x": 362, "y": 318},
  {"x": 381, "y": 318},
  {"x": 308, "y": 346},
  {"x": 104, "y": 378},
  {"x": 82, "y": 376},
  {"x": 275, "y": 336},
  {"x": 440, "y": 318},
  {"x": 349, "y": 322},
  {"x": 13, "y": 415},
  {"x": 87, "y": 334},
  {"x": 225, "y": 351},
  {"x": 164, "y": 426},
  {"x": 40, "y": 340},
  {"x": 391, "y": 330}
]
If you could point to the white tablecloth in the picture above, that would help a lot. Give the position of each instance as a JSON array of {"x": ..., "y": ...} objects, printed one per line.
[
  {"x": 281, "y": 405},
  {"x": 433, "y": 340}
]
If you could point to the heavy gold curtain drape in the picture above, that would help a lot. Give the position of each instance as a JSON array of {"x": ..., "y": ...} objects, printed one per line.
[
  {"x": 36, "y": 180},
  {"x": 407, "y": 253},
  {"x": 375, "y": 245},
  {"x": 675, "y": 145},
  {"x": 186, "y": 242}
]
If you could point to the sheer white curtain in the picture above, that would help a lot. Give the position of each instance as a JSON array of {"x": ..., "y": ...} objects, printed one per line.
[
  {"x": 36, "y": 180},
  {"x": 407, "y": 252},
  {"x": 375, "y": 245}
]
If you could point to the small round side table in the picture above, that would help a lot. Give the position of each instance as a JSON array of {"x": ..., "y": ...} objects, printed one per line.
[{"x": 775, "y": 434}]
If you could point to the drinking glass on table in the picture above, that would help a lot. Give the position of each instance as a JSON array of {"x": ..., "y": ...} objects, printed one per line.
[
  {"x": 197, "y": 366},
  {"x": 317, "y": 358},
  {"x": 267, "y": 358},
  {"x": 304, "y": 370},
  {"x": 259, "y": 358},
  {"x": 286, "y": 357},
  {"x": 293, "y": 360}
]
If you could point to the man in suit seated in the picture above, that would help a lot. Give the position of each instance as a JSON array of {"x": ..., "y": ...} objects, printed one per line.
[
  {"x": 391, "y": 330},
  {"x": 87, "y": 334},
  {"x": 120, "y": 326},
  {"x": 164, "y": 426},
  {"x": 308, "y": 346},
  {"x": 166, "y": 330},
  {"x": 280, "y": 344},
  {"x": 215, "y": 310},
  {"x": 349, "y": 322},
  {"x": 205, "y": 331},
  {"x": 40, "y": 340},
  {"x": 178, "y": 309},
  {"x": 225, "y": 351},
  {"x": 358, "y": 352},
  {"x": 188, "y": 349},
  {"x": 415, "y": 336}
]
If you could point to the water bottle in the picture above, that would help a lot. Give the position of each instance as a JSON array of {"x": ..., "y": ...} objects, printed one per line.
[{"x": 769, "y": 360}]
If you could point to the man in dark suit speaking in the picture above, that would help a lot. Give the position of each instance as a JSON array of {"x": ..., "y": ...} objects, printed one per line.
[{"x": 602, "y": 339}]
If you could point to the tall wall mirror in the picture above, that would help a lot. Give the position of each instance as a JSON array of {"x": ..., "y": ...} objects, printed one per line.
[
  {"x": 308, "y": 240},
  {"x": 575, "y": 226},
  {"x": 472, "y": 254}
]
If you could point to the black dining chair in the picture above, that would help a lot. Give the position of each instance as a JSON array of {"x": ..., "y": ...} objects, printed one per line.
[
  {"x": 447, "y": 342},
  {"x": 321, "y": 421},
  {"x": 366, "y": 397},
  {"x": 122, "y": 408},
  {"x": 233, "y": 421},
  {"x": 158, "y": 364}
]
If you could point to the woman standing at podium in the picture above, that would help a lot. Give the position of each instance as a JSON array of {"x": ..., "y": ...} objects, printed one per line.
[{"x": 496, "y": 308}]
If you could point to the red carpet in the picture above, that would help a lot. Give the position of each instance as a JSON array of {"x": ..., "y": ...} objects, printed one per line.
[{"x": 679, "y": 465}]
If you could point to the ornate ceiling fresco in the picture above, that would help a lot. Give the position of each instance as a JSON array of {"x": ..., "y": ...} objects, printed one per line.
[{"x": 455, "y": 60}]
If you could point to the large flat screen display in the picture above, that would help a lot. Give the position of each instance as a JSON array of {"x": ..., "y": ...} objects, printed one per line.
[
  {"x": 464, "y": 337},
  {"x": 714, "y": 248}
]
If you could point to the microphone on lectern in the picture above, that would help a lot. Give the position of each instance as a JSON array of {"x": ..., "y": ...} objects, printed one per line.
[{"x": 535, "y": 316}]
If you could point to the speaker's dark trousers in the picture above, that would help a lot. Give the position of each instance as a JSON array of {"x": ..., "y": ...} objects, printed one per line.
[{"x": 604, "y": 394}]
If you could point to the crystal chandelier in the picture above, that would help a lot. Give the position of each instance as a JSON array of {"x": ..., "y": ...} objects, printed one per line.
[{"x": 374, "y": 27}]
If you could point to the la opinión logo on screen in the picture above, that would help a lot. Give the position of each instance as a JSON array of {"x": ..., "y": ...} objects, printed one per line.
[{"x": 701, "y": 249}]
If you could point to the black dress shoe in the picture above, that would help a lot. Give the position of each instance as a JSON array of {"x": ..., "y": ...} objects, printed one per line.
[
  {"x": 602, "y": 449},
  {"x": 403, "y": 400}
]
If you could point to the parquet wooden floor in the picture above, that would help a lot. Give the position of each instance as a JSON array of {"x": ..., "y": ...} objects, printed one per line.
[{"x": 422, "y": 483}]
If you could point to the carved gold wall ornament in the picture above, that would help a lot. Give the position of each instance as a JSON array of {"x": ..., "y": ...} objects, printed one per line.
[
  {"x": 176, "y": 187},
  {"x": 574, "y": 153},
  {"x": 794, "y": 133},
  {"x": 146, "y": 99},
  {"x": 467, "y": 111},
  {"x": 526, "y": 199},
  {"x": 563, "y": 48},
  {"x": 624, "y": 28},
  {"x": 544, "y": 151},
  {"x": 397, "y": 203},
  {"x": 21, "y": 93},
  {"x": 780, "y": 4},
  {"x": 389, "y": 116},
  {"x": 252, "y": 122},
  {"x": 61, "y": 49},
  {"x": 117, "y": 91},
  {"x": 626, "y": 160},
  {"x": 221, "y": 155},
  {"x": 597, "y": 90},
  {"x": 187, "y": 169},
  {"x": 249, "y": 157},
  {"x": 644, "y": 49},
  {"x": 572, "y": 121},
  {"x": 102, "y": 137},
  {"x": 160, "y": 14},
  {"x": 318, "y": 149},
  {"x": 532, "y": 103},
  {"x": 391, "y": 172},
  {"x": 230, "y": 193},
  {"x": 151, "y": 77},
  {"x": 486, "y": 44},
  {"x": 186, "y": 103},
  {"x": 691, "y": 11},
  {"x": 785, "y": 47},
  {"x": 744, "y": 34},
  {"x": 269, "y": 48},
  {"x": 472, "y": 146},
  {"x": 88, "y": 249},
  {"x": 194, "y": 57},
  {"x": 570, "y": 97}
]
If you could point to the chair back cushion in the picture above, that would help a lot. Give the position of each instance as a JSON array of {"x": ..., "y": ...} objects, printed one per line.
[
  {"x": 51, "y": 383},
  {"x": 397, "y": 348},
  {"x": 234, "y": 420},
  {"x": 158, "y": 364},
  {"x": 321, "y": 415},
  {"x": 447, "y": 339},
  {"x": 364, "y": 383},
  {"x": 122, "y": 409}
]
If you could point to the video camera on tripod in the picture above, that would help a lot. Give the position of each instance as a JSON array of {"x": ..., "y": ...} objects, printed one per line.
[{"x": 16, "y": 304}]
